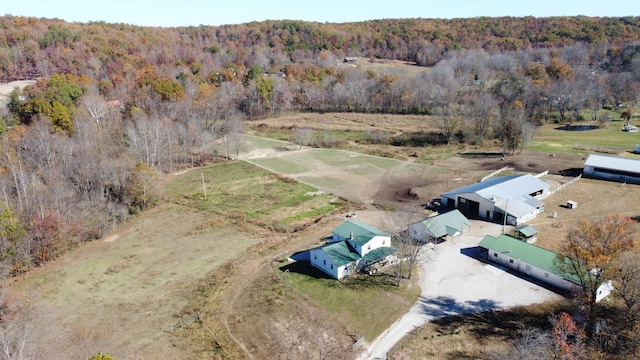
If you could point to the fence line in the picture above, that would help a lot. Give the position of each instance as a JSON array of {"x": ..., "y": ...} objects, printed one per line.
[
  {"x": 506, "y": 168},
  {"x": 182, "y": 323},
  {"x": 570, "y": 182}
]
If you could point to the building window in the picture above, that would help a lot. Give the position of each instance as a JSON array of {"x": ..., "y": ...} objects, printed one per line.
[
  {"x": 510, "y": 261},
  {"x": 495, "y": 254},
  {"x": 324, "y": 262},
  {"x": 315, "y": 257},
  {"x": 383, "y": 241},
  {"x": 331, "y": 266},
  {"x": 546, "y": 275},
  {"x": 369, "y": 247}
]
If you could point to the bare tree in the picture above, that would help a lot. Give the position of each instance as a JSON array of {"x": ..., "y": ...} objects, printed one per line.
[
  {"x": 533, "y": 344},
  {"x": 233, "y": 128},
  {"x": 303, "y": 136},
  {"x": 18, "y": 321},
  {"x": 148, "y": 141},
  {"x": 450, "y": 118},
  {"x": 410, "y": 250},
  {"x": 97, "y": 107},
  {"x": 628, "y": 285}
]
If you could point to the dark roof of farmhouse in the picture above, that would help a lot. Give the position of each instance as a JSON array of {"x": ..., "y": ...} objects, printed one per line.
[
  {"x": 362, "y": 233},
  {"x": 341, "y": 253}
]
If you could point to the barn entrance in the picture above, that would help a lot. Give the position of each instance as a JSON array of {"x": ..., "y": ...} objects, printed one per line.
[{"x": 469, "y": 208}]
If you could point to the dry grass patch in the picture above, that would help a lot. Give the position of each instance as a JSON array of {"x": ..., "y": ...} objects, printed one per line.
[
  {"x": 487, "y": 335},
  {"x": 133, "y": 288},
  {"x": 595, "y": 198}
]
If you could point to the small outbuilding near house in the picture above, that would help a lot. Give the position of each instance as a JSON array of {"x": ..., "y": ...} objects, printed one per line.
[
  {"x": 612, "y": 168},
  {"x": 353, "y": 246},
  {"x": 438, "y": 228},
  {"x": 517, "y": 196},
  {"x": 526, "y": 233},
  {"x": 528, "y": 259}
]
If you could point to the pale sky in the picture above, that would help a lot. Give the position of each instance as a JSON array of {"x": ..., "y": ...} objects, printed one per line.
[{"x": 216, "y": 12}]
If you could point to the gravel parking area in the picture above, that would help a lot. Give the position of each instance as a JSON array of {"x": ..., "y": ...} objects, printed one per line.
[{"x": 453, "y": 281}]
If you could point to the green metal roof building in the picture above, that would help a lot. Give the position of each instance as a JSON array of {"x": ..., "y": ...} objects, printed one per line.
[
  {"x": 438, "y": 227},
  {"x": 356, "y": 231},
  {"x": 529, "y": 259},
  {"x": 353, "y": 246}
]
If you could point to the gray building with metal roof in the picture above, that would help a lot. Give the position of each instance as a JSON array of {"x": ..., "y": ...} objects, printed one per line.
[
  {"x": 517, "y": 196},
  {"x": 612, "y": 168}
]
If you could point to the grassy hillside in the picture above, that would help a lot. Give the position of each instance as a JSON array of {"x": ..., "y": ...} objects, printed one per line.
[{"x": 123, "y": 294}]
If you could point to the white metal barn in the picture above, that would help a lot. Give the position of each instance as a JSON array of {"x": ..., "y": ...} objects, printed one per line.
[
  {"x": 517, "y": 196},
  {"x": 353, "y": 246},
  {"x": 612, "y": 168},
  {"x": 529, "y": 259},
  {"x": 438, "y": 228}
]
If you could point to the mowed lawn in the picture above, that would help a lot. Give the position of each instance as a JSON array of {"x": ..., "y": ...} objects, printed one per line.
[
  {"x": 343, "y": 173},
  {"x": 551, "y": 138}
]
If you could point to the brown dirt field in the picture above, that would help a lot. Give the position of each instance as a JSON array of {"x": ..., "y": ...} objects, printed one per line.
[{"x": 397, "y": 189}]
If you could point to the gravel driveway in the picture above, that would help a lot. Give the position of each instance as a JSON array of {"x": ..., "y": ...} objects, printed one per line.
[{"x": 453, "y": 282}]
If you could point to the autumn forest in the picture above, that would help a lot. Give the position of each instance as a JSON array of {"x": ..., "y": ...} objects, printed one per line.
[{"x": 116, "y": 105}]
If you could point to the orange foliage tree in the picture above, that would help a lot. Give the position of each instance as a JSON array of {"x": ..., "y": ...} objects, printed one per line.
[{"x": 591, "y": 251}]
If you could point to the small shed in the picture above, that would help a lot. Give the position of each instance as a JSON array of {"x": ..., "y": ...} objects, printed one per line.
[
  {"x": 440, "y": 227},
  {"x": 571, "y": 204},
  {"x": 526, "y": 233}
]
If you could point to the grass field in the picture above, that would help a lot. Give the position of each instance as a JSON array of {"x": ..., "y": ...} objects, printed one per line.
[
  {"x": 350, "y": 175},
  {"x": 124, "y": 293},
  {"x": 550, "y": 138}
]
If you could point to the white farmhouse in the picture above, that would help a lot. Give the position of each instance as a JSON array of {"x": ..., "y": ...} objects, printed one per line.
[
  {"x": 353, "y": 246},
  {"x": 612, "y": 168},
  {"x": 518, "y": 196},
  {"x": 438, "y": 228}
]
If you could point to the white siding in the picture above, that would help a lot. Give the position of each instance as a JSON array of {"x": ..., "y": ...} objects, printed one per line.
[
  {"x": 376, "y": 242},
  {"x": 320, "y": 260},
  {"x": 534, "y": 272}
]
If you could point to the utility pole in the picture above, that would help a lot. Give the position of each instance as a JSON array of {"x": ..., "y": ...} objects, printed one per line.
[
  {"x": 204, "y": 187},
  {"x": 504, "y": 223}
]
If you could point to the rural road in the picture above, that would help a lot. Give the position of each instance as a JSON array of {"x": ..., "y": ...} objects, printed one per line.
[{"x": 453, "y": 283}]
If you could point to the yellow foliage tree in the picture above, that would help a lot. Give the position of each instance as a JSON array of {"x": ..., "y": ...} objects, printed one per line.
[
  {"x": 143, "y": 189},
  {"x": 590, "y": 252}
]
